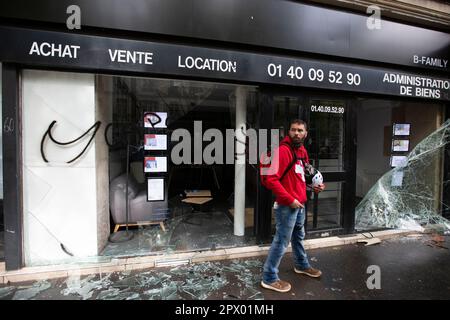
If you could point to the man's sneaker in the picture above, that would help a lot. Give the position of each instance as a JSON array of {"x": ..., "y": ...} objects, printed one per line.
[
  {"x": 279, "y": 285},
  {"x": 315, "y": 273}
]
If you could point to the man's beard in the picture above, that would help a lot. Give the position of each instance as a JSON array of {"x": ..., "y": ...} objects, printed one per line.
[{"x": 297, "y": 143}]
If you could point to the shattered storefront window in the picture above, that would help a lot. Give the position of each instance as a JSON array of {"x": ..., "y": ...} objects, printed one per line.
[
  {"x": 410, "y": 196},
  {"x": 189, "y": 232},
  {"x": 190, "y": 198},
  {"x": 111, "y": 166}
]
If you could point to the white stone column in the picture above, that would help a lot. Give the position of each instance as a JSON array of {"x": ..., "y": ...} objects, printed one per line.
[
  {"x": 239, "y": 167},
  {"x": 103, "y": 113}
]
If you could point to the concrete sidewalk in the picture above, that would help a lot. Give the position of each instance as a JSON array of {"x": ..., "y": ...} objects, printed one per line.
[{"x": 411, "y": 267}]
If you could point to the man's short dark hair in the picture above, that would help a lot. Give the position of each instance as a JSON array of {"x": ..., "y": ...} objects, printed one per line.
[{"x": 298, "y": 121}]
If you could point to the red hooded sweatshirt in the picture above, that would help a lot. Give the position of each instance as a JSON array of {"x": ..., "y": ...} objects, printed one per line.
[{"x": 293, "y": 185}]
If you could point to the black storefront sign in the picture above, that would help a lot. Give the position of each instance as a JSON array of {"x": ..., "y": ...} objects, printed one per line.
[
  {"x": 65, "y": 50},
  {"x": 289, "y": 25}
]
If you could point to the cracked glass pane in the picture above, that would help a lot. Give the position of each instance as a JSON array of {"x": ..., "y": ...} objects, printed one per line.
[{"x": 409, "y": 196}]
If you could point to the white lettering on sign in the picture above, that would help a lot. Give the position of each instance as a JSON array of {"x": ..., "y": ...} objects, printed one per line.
[
  {"x": 206, "y": 64},
  {"x": 313, "y": 74},
  {"x": 135, "y": 57},
  {"x": 327, "y": 109},
  {"x": 424, "y": 87},
  {"x": 429, "y": 61},
  {"x": 47, "y": 49},
  {"x": 428, "y": 93}
]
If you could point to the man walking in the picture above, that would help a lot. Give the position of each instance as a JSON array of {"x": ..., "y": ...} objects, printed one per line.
[{"x": 289, "y": 185}]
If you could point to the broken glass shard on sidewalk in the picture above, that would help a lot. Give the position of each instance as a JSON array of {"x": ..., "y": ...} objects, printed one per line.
[
  {"x": 30, "y": 292},
  {"x": 4, "y": 292},
  {"x": 409, "y": 197},
  {"x": 86, "y": 287}
]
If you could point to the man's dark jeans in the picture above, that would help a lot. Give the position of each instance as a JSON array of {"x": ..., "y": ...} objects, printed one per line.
[{"x": 290, "y": 225}]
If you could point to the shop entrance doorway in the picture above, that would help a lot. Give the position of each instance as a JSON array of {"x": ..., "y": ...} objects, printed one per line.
[{"x": 331, "y": 148}]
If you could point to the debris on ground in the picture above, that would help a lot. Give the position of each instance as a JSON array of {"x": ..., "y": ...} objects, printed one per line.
[
  {"x": 193, "y": 282},
  {"x": 26, "y": 293},
  {"x": 370, "y": 241},
  {"x": 437, "y": 241},
  {"x": 415, "y": 235}
]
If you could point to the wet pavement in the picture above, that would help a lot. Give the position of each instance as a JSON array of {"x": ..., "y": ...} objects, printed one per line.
[
  {"x": 414, "y": 267},
  {"x": 410, "y": 268}
]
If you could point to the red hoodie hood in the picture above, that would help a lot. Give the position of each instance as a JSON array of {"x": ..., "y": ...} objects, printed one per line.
[{"x": 293, "y": 185}]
